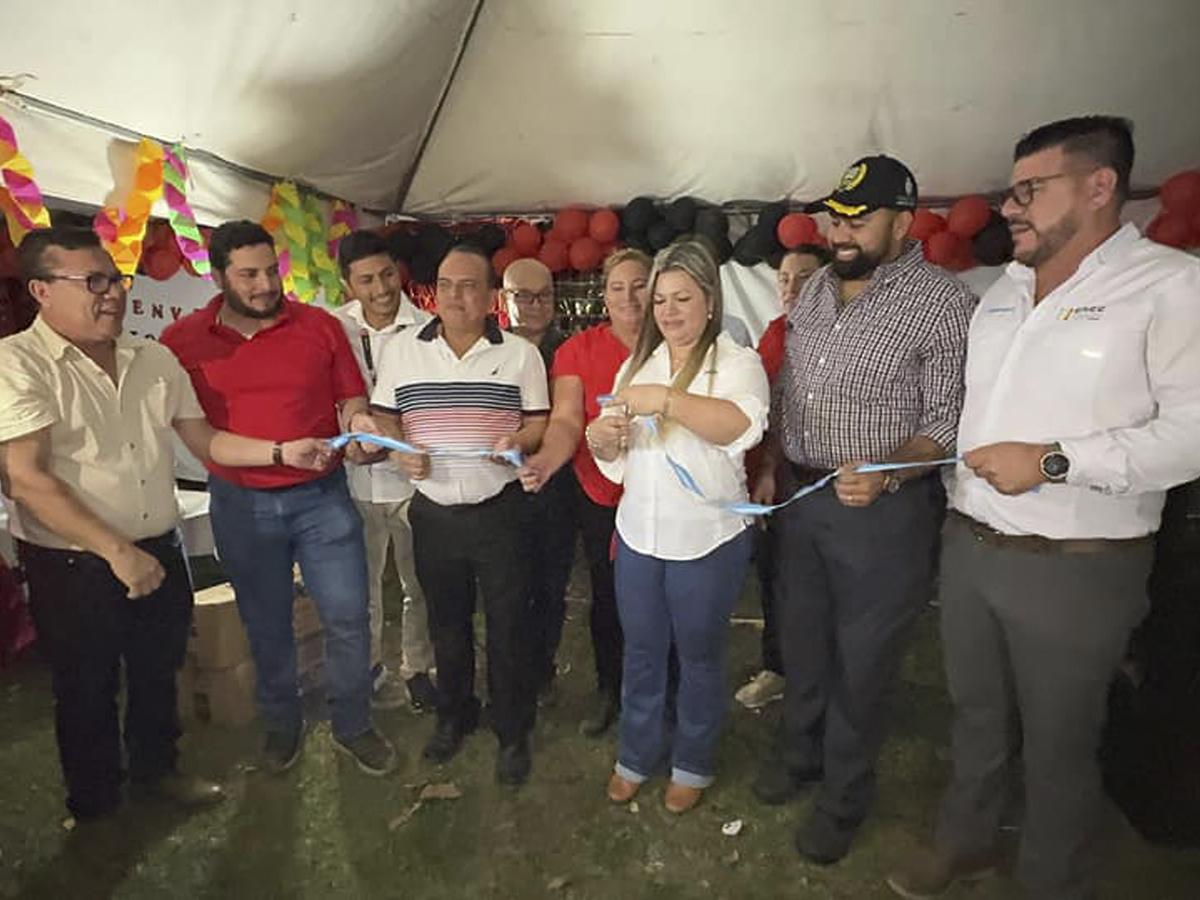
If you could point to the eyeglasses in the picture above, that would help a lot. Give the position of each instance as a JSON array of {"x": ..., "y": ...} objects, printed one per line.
[
  {"x": 98, "y": 283},
  {"x": 528, "y": 298},
  {"x": 1023, "y": 192}
]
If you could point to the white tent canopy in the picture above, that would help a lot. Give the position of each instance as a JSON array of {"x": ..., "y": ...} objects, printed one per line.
[{"x": 555, "y": 102}]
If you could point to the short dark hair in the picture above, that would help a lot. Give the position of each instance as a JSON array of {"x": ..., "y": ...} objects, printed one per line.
[
  {"x": 822, "y": 254},
  {"x": 31, "y": 255},
  {"x": 232, "y": 236},
  {"x": 359, "y": 245},
  {"x": 1106, "y": 141},
  {"x": 473, "y": 249}
]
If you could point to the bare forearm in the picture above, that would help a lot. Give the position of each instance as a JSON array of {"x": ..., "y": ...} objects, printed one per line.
[
  {"x": 55, "y": 505},
  {"x": 350, "y": 408},
  {"x": 529, "y": 438},
  {"x": 560, "y": 442},
  {"x": 237, "y": 450},
  {"x": 917, "y": 449},
  {"x": 709, "y": 418}
]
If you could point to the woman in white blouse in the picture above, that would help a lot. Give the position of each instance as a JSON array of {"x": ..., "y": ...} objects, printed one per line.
[{"x": 690, "y": 395}]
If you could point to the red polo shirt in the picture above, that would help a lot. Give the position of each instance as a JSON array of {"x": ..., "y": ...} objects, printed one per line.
[
  {"x": 594, "y": 356},
  {"x": 281, "y": 384}
]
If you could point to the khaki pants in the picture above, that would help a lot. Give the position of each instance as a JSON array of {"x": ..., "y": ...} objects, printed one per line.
[{"x": 384, "y": 523}]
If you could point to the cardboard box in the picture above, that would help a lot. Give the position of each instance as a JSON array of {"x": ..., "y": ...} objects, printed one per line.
[
  {"x": 217, "y": 639},
  {"x": 223, "y": 696}
]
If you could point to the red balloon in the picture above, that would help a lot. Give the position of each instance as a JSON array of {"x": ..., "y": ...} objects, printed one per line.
[
  {"x": 795, "y": 229},
  {"x": 501, "y": 259},
  {"x": 968, "y": 215},
  {"x": 8, "y": 259},
  {"x": 160, "y": 263},
  {"x": 526, "y": 239},
  {"x": 1181, "y": 193},
  {"x": 584, "y": 254},
  {"x": 945, "y": 247},
  {"x": 604, "y": 225},
  {"x": 926, "y": 223},
  {"x": 554, "y": 255},
  {"x": 571, "y": 224},
  {"x": 1172, "y": 229}
]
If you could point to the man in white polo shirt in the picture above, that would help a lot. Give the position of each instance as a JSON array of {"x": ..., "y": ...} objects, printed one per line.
[
  {"x": 379, "y": 311},
  {"x": 1082, "y": 408},
  {"x": 461, "y": 384}
]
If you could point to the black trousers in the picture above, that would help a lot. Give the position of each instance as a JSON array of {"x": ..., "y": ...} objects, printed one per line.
[
  {"x": 851, "y": 582},
  {"x": 766, "y": 537},
  {"x": 87, "y": 626},
  {"x": 598, "y": 523},
  {"x": 455, "y": 547},
  {"x": 548, "y": 526}
]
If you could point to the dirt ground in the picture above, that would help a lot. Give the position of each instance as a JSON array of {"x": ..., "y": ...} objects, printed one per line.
[{"x": 325, "y": 830}]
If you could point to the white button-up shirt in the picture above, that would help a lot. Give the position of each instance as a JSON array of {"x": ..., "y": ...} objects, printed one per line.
[
  {"x": 1108, "y": 365},
  {"x": 381, "y": 482},
  {"x": 657, "y": 516}
]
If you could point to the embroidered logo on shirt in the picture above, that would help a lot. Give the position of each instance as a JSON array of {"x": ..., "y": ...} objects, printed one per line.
[{"x": 1086, "y": 313}]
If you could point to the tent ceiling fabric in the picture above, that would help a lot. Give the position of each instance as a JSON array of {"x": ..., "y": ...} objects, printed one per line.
[
  {"x": 337, "y": 95},
  {"x": 562, "y": 102},
  {"x": 566, "y": 101}
]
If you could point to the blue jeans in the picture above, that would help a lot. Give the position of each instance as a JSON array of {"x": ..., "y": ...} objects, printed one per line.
[
  {"x": 259, "y": 534},
  {"x": 689, "y": 602}
]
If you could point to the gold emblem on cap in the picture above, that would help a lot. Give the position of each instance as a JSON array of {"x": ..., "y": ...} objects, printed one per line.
[{"x": 853, "y": 177}]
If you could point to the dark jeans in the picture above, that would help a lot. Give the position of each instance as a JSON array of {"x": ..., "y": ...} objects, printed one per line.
[
  {"x": 851, "y": 581},
  {"x": 688, "y": 602},
  {"x": 765, "y": 541},
  {"x": 598, "y": 524},
  {"x": 1032, "y": 641},
  {"x": 87, "y": 626},
  {"x": 259, "y": 535},
  {"x": 548, "y": 527},
  {"x": 455, "y": 547}
]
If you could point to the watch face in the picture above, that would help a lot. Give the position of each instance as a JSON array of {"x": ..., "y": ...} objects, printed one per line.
[{"x": 1055, "y": 465}]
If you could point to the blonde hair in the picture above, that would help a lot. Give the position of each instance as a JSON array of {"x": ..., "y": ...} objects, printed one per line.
[
  {"x": 625, "y": 254},
  {"x": 694, "y": 259}
]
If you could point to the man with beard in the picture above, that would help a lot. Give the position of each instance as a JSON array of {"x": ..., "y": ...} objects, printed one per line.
[
  {"x": 872, "y": 372},
  {"x": 1082, "y": 408},
  {"x": 272, "y": 368}
]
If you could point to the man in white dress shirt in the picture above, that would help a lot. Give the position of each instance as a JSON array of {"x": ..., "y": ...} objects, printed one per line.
[
  {"x": 1082, "y": 409},
  {"x": 377, "y": 312}
]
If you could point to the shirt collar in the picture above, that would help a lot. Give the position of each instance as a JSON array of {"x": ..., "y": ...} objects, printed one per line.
[
  {"x": 433, "y": 330},
  {"x": 406, "y": 315},
  {"x": 211, "y": 311},
  {"x": 911, "y": 256},
  {"x": 1108, "y": 251},
  {"x": 59, "y": 345}
]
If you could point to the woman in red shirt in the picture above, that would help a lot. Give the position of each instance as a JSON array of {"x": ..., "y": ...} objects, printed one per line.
[{"x": 585, "y": 367}]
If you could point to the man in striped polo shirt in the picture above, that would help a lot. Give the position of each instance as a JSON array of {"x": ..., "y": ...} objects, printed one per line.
[{"x": 457, "y": 385}]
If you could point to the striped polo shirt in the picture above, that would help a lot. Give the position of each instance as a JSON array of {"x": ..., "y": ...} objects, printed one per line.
[{"x": 451, "y": 404}]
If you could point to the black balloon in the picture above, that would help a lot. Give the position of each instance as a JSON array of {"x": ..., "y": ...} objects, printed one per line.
[
  {"x": 490, "y": 237},
  {"x": 638, "y": 215},
  {"x": 434, "y": 240},
  {"x": 762, "y": 238},
  {"x": 660, "y": 234},
  {"x": 681, "y": 214},
  {"x": 713, "y": 222},
  {"x": 638, "y": 241},
  {"x": 744, "y": 251},
  {"x": 423, "y": 268},
  {"x": 770, "y": 215},
  {"x": 993, "y": 245},
  {"x": 402, "y": 244}
]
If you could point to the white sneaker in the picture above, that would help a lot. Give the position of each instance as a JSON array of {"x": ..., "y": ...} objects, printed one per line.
[{"x": 760, "y": 690}]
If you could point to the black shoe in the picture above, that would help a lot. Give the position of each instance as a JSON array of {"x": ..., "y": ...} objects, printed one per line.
[
  {"x": 513, "y": 763},
  {"x": 824, "y": 839},
  {"x": 448, "y": 736},
  {"x": 185, "y": 791},
  {"x": 422, "y": 693},
  {"x": 283, "y": 749},
  {"x": 776, "y": 784},
  {"x": 371, "y": 752},
  {"x": 605, "y": 711}
]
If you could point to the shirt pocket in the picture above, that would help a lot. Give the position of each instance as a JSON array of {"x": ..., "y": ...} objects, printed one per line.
[{"x": 156, "y": 407}]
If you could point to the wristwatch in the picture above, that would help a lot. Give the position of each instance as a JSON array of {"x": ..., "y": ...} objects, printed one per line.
[
  {"x": 1054, "y": 464},
  {"x": 892, "y": 483}
]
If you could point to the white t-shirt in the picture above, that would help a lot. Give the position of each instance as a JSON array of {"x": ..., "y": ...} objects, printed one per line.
[
  {"x": 658, "y": 516},
  {"x": 1108, "y": 365},
  {"x": 447, "y": 403}
]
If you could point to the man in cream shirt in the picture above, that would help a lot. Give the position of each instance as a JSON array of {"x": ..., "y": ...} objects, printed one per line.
[
  {"x": 86, "y": 467},
  {"x": 378, "y": 311},
  {"x": 1082, "y": 408}
]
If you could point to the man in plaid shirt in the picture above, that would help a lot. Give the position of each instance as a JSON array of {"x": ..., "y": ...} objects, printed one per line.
[{"x": 872, "y": 372}]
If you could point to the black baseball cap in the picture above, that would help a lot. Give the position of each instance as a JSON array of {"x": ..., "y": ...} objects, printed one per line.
[{"x": 874, "y": 182}]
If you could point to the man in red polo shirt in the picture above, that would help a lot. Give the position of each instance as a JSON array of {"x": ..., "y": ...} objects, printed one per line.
[{"x": 269, "y": 367}]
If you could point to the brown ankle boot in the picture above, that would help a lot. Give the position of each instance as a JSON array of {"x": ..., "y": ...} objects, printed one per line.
[
  {"x": 621, "y": 790},
  {"x": 679, "y": 799}
]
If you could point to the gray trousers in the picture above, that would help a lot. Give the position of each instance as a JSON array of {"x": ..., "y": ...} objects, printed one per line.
[
  {"x": 1031, "y": 643},
  {"x": 850, "y": 583}
]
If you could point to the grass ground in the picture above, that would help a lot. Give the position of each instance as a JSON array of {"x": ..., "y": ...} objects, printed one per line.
[{"x": 324, "y": 830}]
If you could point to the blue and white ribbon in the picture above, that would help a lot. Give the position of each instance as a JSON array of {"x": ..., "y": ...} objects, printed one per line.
[{"x": 513, "y": 457}]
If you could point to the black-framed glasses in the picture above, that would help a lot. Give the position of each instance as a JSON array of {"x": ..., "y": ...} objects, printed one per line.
[
  {"x": 528, "y": 298},
  {"x": 1023, "y": 192},
  {"x": 98, "y": 283}
]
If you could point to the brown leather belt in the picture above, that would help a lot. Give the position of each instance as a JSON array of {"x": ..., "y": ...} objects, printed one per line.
[{"x": 1035, "y": 543}]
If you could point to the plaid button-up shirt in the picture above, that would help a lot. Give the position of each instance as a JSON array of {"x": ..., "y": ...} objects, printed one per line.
[{"x": 860, "y": 381}]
